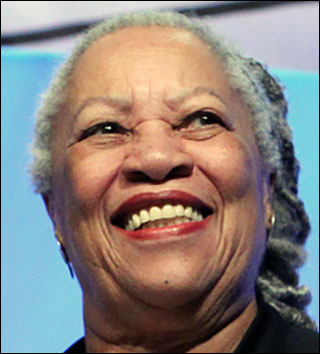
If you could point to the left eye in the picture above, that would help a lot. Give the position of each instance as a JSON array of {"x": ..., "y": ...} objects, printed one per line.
[
  {"x": 103, "y": 128},
  {"x": 204, "y": 118}
]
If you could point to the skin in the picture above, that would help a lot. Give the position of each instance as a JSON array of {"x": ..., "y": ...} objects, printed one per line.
[{"x": 189, "y": 294}]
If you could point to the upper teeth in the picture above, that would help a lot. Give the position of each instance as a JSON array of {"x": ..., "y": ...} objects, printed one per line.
[{"x": 168, "y": 211}]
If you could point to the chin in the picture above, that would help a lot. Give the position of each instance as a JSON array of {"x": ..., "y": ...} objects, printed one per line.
[{"x": 171, "y": 287}]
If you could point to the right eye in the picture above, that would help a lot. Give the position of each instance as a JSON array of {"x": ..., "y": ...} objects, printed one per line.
[{"x": 105, "y": 128}]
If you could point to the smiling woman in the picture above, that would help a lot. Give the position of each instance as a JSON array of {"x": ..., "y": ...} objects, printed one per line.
[{"x": 166, "y": 165}]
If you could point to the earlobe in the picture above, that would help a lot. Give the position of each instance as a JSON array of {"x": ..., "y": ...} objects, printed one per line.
[
  {"x": 63, "y": 252},
  {"x": 268, "y": 215},
  {"x": 48, "y": 201},
  {"x": 50, "y": 209},
  {"x": 58, "y": 236}
]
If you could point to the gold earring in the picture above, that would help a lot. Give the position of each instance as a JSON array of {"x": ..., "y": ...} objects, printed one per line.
[
  {"x": 273, "y": 220},
  {"x": 64, "y": 255}
]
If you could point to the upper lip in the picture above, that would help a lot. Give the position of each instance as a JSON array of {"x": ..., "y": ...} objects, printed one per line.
[{"x": 148, "y": 199}]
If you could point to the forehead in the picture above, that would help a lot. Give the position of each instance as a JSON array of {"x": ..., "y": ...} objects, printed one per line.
[{"x": 163, "y": 56}]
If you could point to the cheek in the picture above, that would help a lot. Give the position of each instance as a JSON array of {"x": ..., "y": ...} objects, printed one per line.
[
  {"x": 90, "y": 173},
  {"x": 229, "y": 164}
]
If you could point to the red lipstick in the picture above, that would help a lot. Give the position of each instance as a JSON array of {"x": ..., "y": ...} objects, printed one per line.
[
  {"x": 179, "y": 230},
  {"x": 149, "y": 199}
]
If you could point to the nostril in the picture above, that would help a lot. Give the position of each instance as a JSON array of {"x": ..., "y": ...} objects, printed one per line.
[
  {"x": 138, "y": 176},
  {"x": 179, "y": 172},
  {"x": 157, "y": 167},
  {"x": 144, "y": 177}
]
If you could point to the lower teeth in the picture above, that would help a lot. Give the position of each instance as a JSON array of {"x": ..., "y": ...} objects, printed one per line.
[{"x": 162, "y": 223}]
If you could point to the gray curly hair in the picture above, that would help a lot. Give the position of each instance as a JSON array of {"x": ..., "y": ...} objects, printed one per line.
[{"x": 278, "y": 279}]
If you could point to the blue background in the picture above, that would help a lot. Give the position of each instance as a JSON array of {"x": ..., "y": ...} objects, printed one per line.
[{"x": 41, "y": 307}]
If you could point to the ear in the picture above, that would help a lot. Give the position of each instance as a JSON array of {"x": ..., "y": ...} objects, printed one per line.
[
  {"x": 47, "y": 199},
  {"x": 269, "y": 186},
  {"x": 50, "y": 206}
]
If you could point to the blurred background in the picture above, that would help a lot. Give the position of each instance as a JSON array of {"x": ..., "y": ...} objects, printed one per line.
[{"x": 41, "y": 307}]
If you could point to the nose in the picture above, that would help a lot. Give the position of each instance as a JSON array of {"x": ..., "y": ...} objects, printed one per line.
[{"x": 156, "y": 155}]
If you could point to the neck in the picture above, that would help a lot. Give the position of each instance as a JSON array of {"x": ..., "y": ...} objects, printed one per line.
[{"x": 173, "y": 332}]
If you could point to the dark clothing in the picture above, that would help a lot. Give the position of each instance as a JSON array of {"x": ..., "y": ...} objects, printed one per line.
[{"x": 268, "y": 333}]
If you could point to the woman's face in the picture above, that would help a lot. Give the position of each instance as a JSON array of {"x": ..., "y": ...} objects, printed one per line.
[{"x": 151, "y": 82}]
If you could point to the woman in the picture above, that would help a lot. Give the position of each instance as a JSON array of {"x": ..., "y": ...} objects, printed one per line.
[{"x": 166, "y": 165}]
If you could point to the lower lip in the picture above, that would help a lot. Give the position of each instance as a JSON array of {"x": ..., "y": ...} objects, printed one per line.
[{"x": 178, "y": 230}]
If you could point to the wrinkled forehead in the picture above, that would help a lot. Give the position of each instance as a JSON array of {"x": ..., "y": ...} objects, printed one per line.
[{"x": 163, "y": 55}]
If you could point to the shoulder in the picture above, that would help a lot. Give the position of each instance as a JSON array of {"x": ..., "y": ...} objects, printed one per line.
[
  {"x": 296, "y": 339},
  {"x": 290, "y": 338},
  {"x": 271, "y": 333},
  {"x": 77, "y": 347}
]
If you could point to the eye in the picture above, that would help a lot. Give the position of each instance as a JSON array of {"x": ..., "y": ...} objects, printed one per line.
[
  {"x": 105, "y": 128},
  {"x": 200, "y": 119}
]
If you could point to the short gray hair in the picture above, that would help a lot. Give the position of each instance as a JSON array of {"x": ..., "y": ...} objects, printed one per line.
[{"x": 263, "y": 95}]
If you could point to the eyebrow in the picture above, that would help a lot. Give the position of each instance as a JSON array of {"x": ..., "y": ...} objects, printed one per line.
[
  {"x": 118, "y": 103},
  {"x": 124, "y": 105},
  {"x": 199, "y": 90}
]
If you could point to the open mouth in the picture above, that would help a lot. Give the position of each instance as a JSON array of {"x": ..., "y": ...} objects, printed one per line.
[{"x": 158, "y": 212}]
